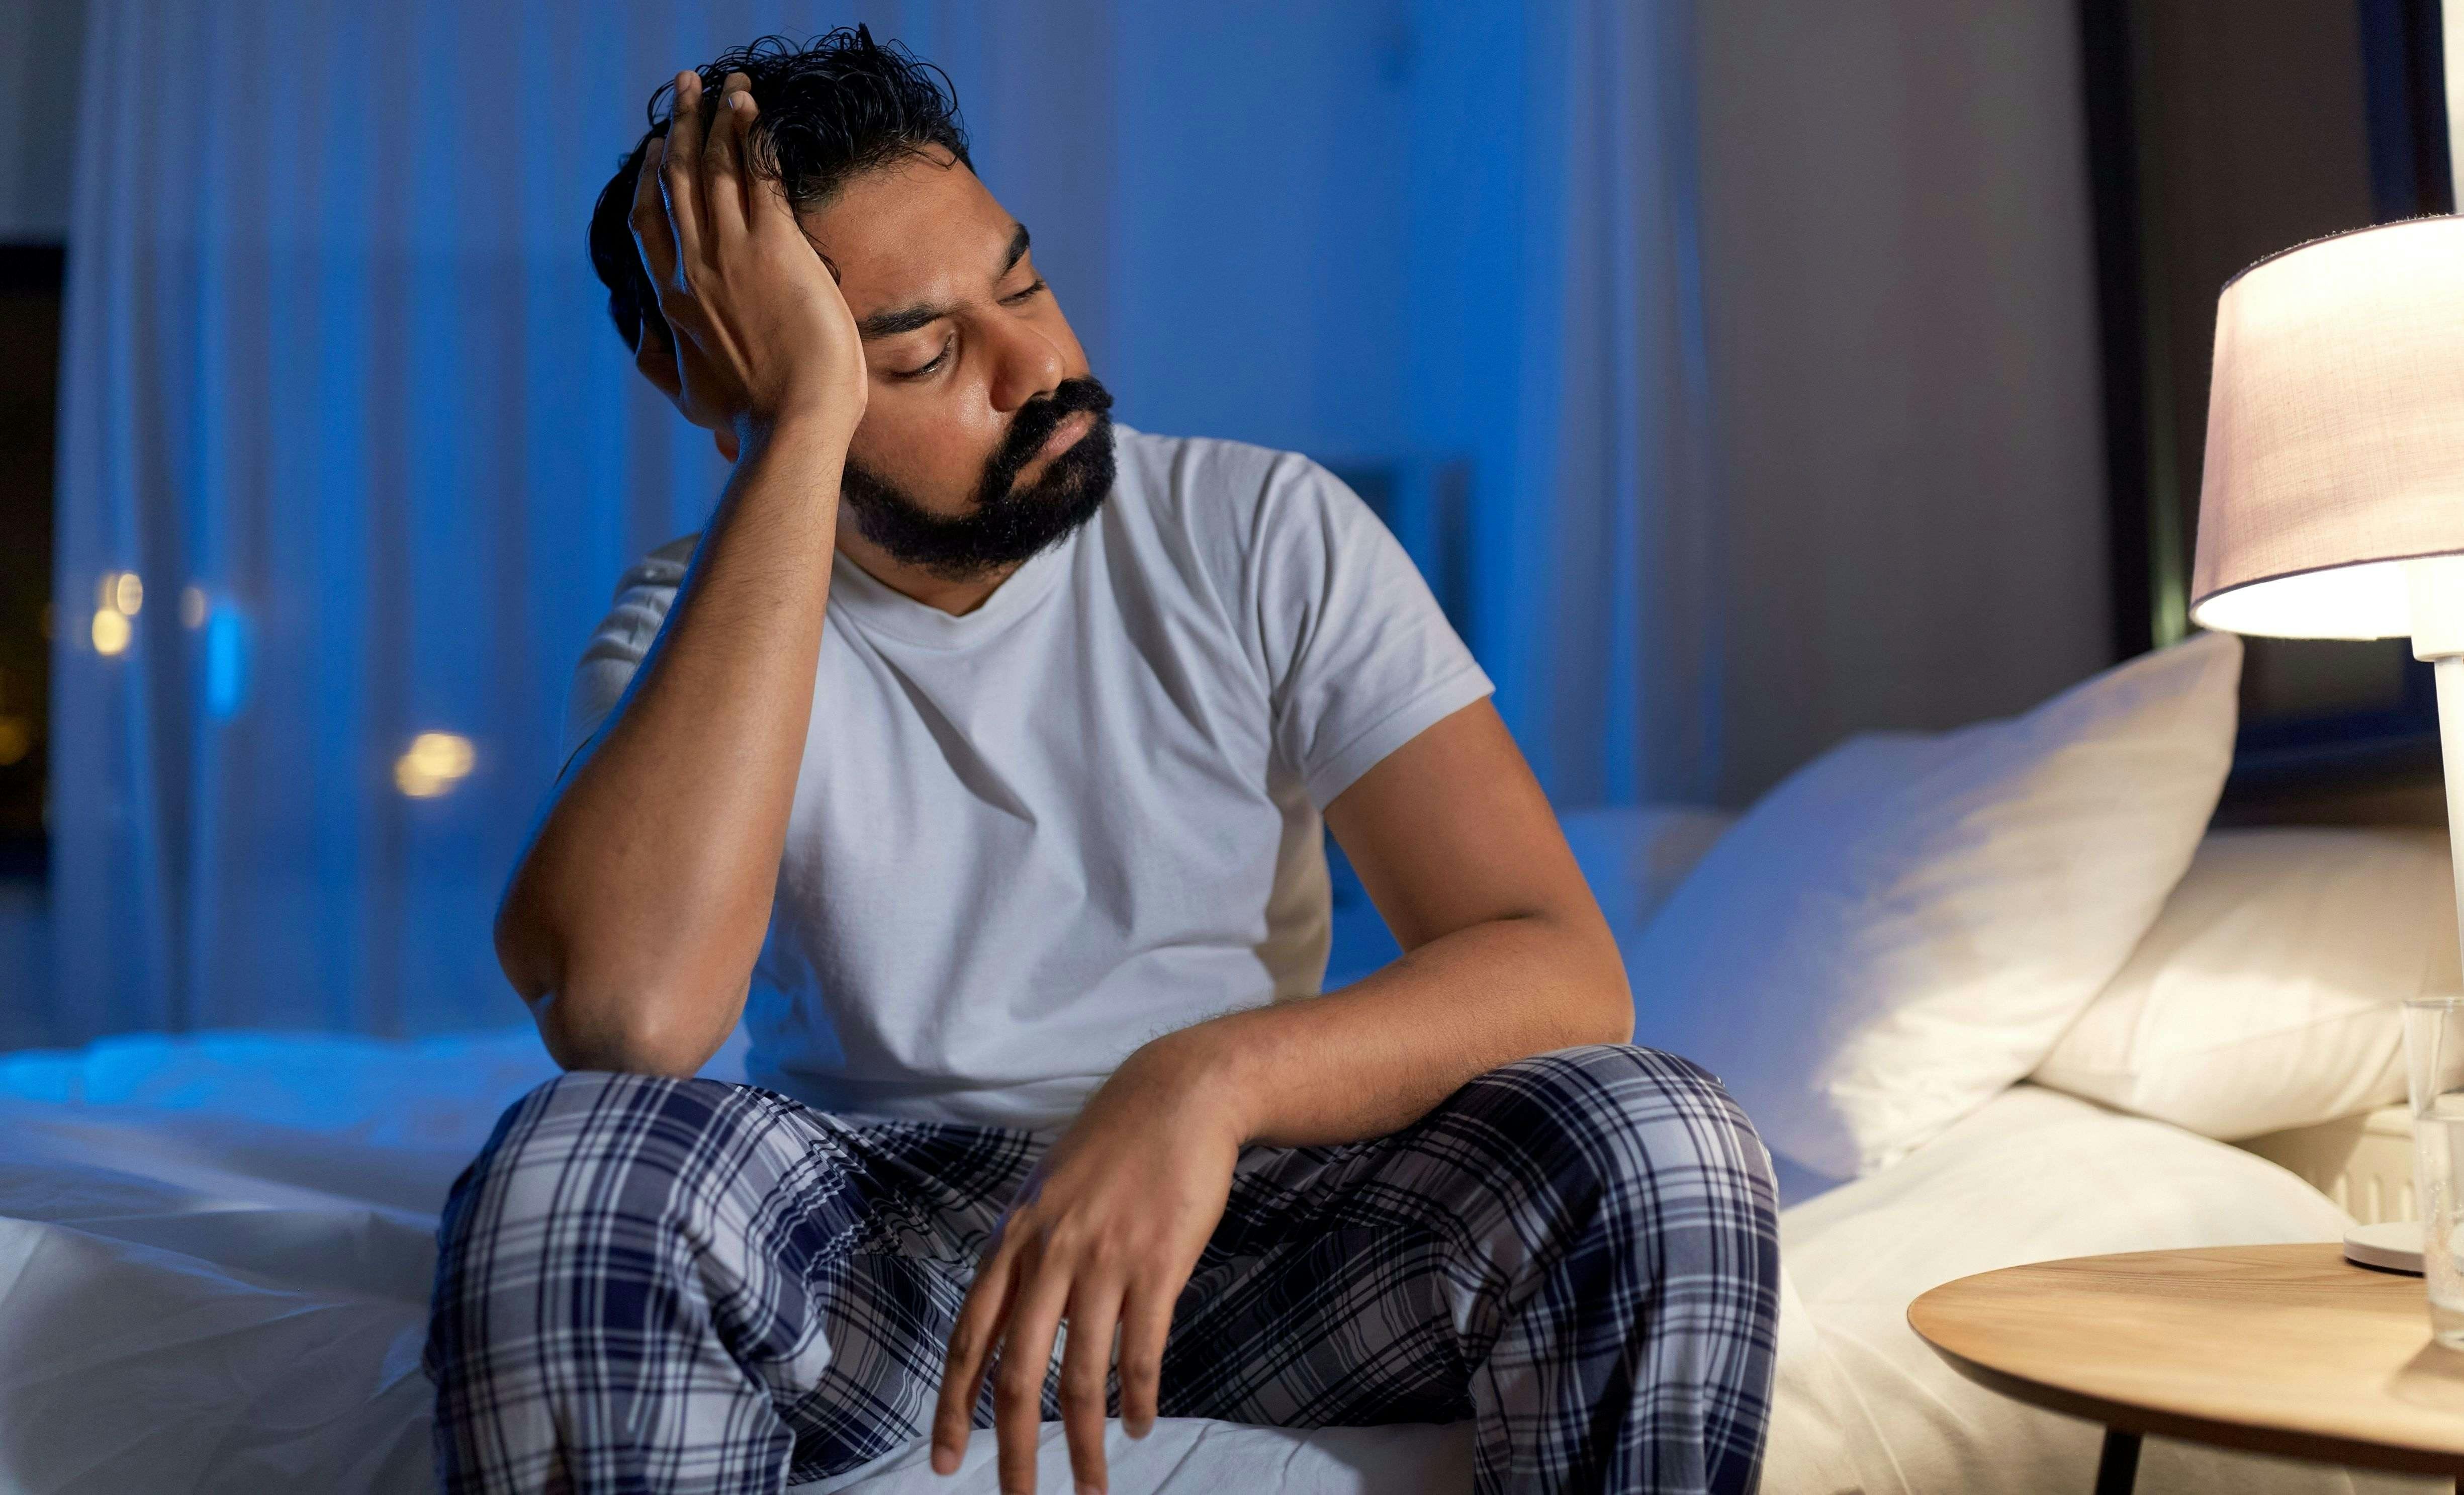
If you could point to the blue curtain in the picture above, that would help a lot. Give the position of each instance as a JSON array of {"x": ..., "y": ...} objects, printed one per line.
[{"x": 350, "y": 456}]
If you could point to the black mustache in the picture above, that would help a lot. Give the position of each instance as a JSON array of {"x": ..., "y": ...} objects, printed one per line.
[{"x": 1035, "y": 423}]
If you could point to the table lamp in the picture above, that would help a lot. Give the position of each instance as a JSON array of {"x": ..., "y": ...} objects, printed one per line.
[
  {"x": 2333, "y": 501},
  {"x": 2332, "y": 507}
]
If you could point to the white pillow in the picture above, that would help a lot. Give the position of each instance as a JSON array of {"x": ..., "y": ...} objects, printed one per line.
[
  {"x": 1905, "y": 926},
  {"x": 2268, "y": 995}
]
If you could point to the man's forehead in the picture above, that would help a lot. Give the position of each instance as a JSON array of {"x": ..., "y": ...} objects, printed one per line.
[{"x": 912, "y": 220}]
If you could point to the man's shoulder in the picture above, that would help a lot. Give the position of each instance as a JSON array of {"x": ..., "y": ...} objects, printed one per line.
[
  {"x": 676, "y": 552},
  {"x": 648, "y": 587},
  {"x": 1207, "y": 461},
  {"x": 664, "y": 568},
  {"x": 1214, "y": 484}
]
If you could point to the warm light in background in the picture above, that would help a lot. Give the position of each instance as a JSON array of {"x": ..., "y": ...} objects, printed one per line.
[
  {"x": 435, "y": 762},
  {"x": 118, "y": 598},
  {"x": 16, "y": 740},
  {"x": 192, "y": 607}
]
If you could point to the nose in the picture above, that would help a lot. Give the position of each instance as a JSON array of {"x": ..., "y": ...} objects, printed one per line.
[{"x": 1026, "y": 365}]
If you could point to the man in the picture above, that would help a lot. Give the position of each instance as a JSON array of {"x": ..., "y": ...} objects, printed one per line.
[{"x": 976, "y": 756}]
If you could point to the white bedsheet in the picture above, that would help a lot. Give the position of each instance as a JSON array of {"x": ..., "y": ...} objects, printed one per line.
[{"x": 215, "y": 1253}]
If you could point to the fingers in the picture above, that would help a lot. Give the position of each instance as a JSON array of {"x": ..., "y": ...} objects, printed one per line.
[
  {"x": 1094, "y": 1311},
  {"x": 971, "y": 1342},
  {"x": 679, "y": 167},
  {"x": 654, "y": 350},
  {"x": 1017, "y": 1381},
  {"x": 767, "y": 209},
  {"x": 722, "y": 159},
  {"x": 654, "y": 236},
  {"x": 1146, "y": 1322}
]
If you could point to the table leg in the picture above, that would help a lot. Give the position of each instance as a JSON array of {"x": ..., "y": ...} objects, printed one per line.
[{"x": 2117, "y": 1473}]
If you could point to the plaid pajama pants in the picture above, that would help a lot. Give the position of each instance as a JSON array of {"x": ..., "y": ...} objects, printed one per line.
[{"x": 653, "y": 1285}]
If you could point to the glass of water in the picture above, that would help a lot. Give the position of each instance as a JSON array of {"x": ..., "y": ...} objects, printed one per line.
[{"x": 2434, "y": 1054}]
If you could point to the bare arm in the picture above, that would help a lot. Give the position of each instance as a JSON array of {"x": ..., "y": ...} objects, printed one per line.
[
  {"x": 1505, "y": 955},
  {"x": 634, "y": 914},
  {"x": 633, "y": 917}
]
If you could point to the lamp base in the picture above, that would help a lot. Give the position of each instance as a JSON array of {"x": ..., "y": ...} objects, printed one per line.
[{"x": 2392, "y": 1245}]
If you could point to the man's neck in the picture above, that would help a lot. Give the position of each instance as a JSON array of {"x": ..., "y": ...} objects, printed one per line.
[{"x": 955, "y": 596}]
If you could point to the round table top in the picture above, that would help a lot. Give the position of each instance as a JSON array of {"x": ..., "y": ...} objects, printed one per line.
[{"x": 2281, "y": 1349}]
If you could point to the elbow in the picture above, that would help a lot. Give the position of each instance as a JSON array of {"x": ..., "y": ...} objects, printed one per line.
[
  {"x": 609, "y": 1009},
  {"x": 652, "y": 1033},
  {"x": 1606, "y": 1013},
  {"x": 1617, "y": 1019},
  {"x": 1577, "y": 977},
  {"x": 1603, "y": 1008}
]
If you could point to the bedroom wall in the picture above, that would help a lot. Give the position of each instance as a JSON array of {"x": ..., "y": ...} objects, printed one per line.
[{"x": 1902, "y": 338}]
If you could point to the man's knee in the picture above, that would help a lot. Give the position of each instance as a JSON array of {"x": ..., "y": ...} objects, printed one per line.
[
  {"x": 589, "y": 1143},
  {"x": 588, "y": 1170},
  {"x": 1632, "y": 1118}
]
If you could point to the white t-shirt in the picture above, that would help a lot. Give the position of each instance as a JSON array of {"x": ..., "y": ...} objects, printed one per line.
[{"x": 1029, "y": 840}]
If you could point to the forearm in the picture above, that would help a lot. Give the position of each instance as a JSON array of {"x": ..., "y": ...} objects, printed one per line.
[
  {"x": 1377, "y": 1056},
  {"x": 633, "y": 917}
]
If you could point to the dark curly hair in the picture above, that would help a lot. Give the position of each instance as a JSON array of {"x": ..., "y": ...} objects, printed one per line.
[{"x": 834, "y": 106}]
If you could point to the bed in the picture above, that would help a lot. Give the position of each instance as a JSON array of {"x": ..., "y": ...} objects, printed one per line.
[{"x": 215, "y": 1250}]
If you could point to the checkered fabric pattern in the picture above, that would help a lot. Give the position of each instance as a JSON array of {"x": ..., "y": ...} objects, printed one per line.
[{"x": 652, "y": 1285}]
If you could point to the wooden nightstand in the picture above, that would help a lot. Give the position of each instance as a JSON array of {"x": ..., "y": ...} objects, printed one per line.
[{"x": 2284, "y": 1350}]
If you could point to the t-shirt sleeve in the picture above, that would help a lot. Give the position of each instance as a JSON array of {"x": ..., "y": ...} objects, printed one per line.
[
  {"x": 622, "y": 638},
  {"x": 1360, "y": 658}
]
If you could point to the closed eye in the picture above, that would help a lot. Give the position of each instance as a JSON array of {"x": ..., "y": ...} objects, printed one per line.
[
  {"x": 1015, "y": 297},
  {"x": 939, "y": 359}
]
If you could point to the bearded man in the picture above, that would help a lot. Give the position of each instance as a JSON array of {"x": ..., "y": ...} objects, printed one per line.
[{"x": 977, "y": 756}]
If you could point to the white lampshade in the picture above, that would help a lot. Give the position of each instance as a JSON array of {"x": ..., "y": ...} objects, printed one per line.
[{"x": 2335, "y": 434}]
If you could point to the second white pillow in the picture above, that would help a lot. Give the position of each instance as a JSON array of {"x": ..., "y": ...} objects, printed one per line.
[{"x": 2269, "y": 993}]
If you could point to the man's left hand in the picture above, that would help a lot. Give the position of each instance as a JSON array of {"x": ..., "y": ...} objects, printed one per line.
[{"x": 1104, "y": 1233}]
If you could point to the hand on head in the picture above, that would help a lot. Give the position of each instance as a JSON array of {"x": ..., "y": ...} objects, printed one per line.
[{"x": 751, "y": 330}]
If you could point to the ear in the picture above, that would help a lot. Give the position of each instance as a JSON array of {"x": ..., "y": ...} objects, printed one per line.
[
  {"x": 655, "y": 356},
  {"x": 724, "y": 437}
]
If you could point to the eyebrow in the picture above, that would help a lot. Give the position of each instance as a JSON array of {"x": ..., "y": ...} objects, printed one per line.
[{"x": 908, "y": 318}]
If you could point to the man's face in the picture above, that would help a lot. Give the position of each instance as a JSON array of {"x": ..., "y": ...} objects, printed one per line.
[{"x": 984, "y": 436}]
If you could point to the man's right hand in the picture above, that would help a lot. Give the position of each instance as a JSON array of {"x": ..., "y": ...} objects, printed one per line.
[
  {"x": 754, "y": 330},
  {"x": 630, "y": 928}
]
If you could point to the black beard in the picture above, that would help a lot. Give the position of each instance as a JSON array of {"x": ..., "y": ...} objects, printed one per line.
[{"x": 1006, "y": 524}]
